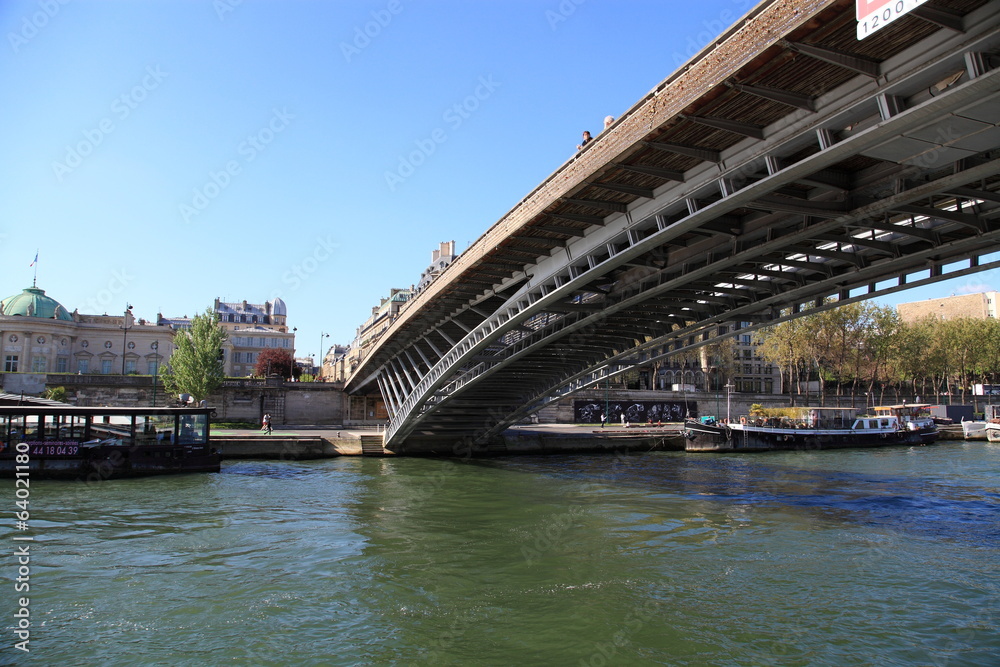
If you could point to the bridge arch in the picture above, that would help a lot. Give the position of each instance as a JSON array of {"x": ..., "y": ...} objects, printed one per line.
[{"x": 780, "y": 169}]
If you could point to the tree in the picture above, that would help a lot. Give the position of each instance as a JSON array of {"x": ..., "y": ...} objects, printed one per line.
[
  {"x": 718, "y": 358},
  {"x": 274, "y": 361},
  {"x": 787, "y": 346},
  {"x": 881, "y": 343},
  {"x": 55, "y": 394},
  {"x": 196, "y": 366}
]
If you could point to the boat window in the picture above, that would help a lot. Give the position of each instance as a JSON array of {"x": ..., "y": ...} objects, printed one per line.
[
  {"x": 71, "y": 428},
  {"x": 30, "y": 428},
  {"x": 13, "y": 430},
  {"x": 49, "y": 427},
  {"x": 112, "y": 429},
  {"x": 154, "y": 429},
  {"x": 193, "y": 430}
]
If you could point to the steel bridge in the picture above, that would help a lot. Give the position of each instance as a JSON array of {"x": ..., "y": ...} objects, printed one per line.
[{"x": 785, "y": 164}]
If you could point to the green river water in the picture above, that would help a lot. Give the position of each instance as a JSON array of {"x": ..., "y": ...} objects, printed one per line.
[{"x": 851, "y": 557}]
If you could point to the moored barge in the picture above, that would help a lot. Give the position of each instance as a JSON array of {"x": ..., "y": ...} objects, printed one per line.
[
  {"x": 815, "y": 428},
  {"x": 98, "y": 443}
]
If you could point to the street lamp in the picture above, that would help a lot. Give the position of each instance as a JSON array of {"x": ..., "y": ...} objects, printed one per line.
[
  {"x": 729, "y": 388},
  {"x": 322, "y": 356},
  {"x": 607, "y": 400},
  {"x": 126, "y": 325},
  {"x": 715, "y": 374},
  {"x": 156, "y": 366}
]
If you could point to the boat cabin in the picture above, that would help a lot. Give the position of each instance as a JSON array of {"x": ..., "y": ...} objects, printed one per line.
[
  {"x": 125, "y": 427},
  {"x": 95, "y": 443},
  {"x": 882, "y": 423},
  {"x": 914, "y": 416}
]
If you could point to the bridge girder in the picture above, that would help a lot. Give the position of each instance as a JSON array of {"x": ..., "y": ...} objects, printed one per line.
[{"x": 715, "y": 217}]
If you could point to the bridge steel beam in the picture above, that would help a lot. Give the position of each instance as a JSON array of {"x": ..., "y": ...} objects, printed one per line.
[
  {"x": 894, "y": 126},
  {"x": 931, "y": 260},
  {"x": 653, "y": 248}
]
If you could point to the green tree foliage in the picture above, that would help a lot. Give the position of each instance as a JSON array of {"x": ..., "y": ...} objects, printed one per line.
[
  {"x": 988, "y": 367},
  {"x": 719, "y": 358},
  {"x": 866, "y": 345},
  {"x": 196, "y": 366},
  {"x": 274, "y": 361},
  {"x": 787, "y": 346},
  {"x": 957, "y": 353},
  {"x": 55, "y": 394}
]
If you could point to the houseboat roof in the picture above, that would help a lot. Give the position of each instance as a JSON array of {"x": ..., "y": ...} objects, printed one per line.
[
  {"x": 67, "y": 409},
  {"x": 902, "y": 406},
  {"x": 18, "y": 399}
]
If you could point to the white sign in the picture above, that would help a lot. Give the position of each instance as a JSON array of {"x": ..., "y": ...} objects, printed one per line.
[{"x": 875, "y": 14}]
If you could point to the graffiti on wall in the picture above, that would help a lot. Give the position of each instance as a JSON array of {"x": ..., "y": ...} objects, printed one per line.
[{"x": 635, "y": 412}]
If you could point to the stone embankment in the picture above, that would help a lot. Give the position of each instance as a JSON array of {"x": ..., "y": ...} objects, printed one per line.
[{"x": 304, "y": 442}]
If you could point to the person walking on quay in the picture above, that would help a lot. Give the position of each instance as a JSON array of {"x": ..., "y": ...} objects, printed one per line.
[
  {"x": 604, "y": 419},
  {"x": 266, "y": 423}
]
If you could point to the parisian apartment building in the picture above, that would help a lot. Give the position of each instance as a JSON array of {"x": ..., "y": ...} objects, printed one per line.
[{"x": 40, "y": 335}]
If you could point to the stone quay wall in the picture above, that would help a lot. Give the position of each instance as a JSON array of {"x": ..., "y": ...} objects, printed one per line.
[{"x": 320, "y": 403}]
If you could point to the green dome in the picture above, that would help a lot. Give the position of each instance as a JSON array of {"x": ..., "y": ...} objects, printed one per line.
[{"x": 32, "y": 302}]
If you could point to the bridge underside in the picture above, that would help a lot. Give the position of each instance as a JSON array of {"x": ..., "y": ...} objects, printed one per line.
[{"x": 805, "y": 167}]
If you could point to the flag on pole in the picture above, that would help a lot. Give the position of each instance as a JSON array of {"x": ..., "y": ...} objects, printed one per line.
[{"x": 34, "y": 260}]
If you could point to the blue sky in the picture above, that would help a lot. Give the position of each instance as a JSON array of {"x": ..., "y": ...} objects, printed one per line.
[{"x": 167, "y": 152}]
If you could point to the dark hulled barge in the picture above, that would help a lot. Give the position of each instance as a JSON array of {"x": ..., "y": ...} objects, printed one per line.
[
  {"x": 815, "y": 428},
  {"x": 69, "y": 442}
]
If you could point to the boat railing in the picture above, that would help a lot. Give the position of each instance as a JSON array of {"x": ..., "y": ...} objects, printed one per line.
[
  {"x": 823, "y": 423},
  {"x": 833, "y": 423}
]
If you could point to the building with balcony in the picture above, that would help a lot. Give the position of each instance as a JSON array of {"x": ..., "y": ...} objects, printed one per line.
[{"x": 251, "y": 328}]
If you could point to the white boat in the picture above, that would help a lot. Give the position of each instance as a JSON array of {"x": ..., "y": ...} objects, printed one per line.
[
  {"x": 974, "y": 429},
  {"x": 992, "y": 429}
]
